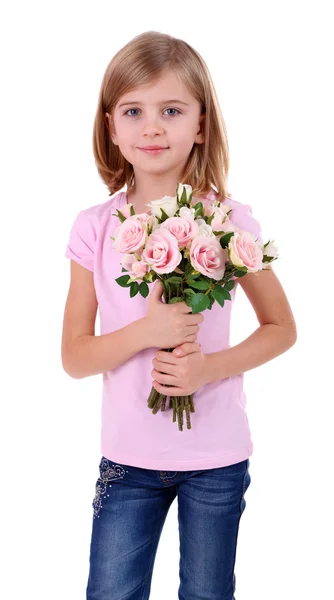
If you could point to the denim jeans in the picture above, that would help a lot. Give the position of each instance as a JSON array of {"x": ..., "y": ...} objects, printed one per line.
[{"x": 130, "y": 508}]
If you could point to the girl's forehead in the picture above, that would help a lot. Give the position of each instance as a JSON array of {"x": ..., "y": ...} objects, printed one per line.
[{"x": 166, "y": 88}]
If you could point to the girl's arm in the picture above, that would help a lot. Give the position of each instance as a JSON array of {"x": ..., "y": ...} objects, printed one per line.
[
  {"x": 276, "y": 334},
  {"x": 84, "y": 353}
]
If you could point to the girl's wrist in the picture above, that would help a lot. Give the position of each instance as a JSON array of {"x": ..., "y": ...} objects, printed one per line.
[{"x": 144, "y": 333}]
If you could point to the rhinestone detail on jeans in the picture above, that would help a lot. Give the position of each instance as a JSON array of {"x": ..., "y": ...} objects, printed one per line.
[{"x": 108, "y": 472}]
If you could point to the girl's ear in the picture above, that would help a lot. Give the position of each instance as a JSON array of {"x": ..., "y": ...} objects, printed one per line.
[
  {"x": 110, "y": 127},
  {"x": 200, "y": 136}
]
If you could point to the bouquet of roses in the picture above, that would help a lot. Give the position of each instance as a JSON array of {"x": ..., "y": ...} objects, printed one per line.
[{"x": 195, "y": 251}]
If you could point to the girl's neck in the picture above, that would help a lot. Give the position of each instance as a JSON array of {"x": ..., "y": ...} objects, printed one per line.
[{"x": 140, "y": 200}]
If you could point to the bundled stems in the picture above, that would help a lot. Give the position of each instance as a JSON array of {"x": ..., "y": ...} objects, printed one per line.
[{"x": 179, "y": 404}]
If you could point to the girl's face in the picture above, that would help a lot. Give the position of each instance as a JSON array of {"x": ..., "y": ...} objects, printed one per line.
[{"x": 162, "y": 114}]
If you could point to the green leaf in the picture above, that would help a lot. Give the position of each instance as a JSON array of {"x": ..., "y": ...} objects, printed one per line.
[
  {"x": 225, "y": 239},
  {"x": 190, "y": 280},
  {"x": 198, "y": 210},
  {"x": 164, "y": 215},
  {"x": 189, "y": 268},
  {"x": 195, "y": 274},
  {"x": 199, "y": 302},
  {"x": 175, "y": 299},
  {"x": 183, "y": 198},
  {"x": 120, "y": 215},
  {"x": 226, "y": 293},
  {"x": 132, "y": 211},
  {"x": 240, "y": 272},
  {"x": 199, "y": 285},
  {"x": 144, "y": 289},
  {"x": 228, "y": 275},
  {"x": 174, "y": 279},
  {"x": 229, "y": 285},
  {"x": 218, "y": 295},
  {"x": 123, "y": 281},
  {"x": 211, "y": 298},
  {"x": 189, "y": 292},
  {"x": 134, "y": 288}
]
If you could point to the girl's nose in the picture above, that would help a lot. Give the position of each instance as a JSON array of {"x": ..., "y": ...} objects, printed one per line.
[{"x": 153, "y": 127}]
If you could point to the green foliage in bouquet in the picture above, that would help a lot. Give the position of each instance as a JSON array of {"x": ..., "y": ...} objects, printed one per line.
[{"x": 186, "y": 284}]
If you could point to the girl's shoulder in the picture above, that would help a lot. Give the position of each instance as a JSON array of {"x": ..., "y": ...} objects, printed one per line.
[
  {"x": 242, "y": 213},
  {"x": 86, "y": 229},
  {"x": 230, "y": 200},
  {"x": 98, "y": 212}
]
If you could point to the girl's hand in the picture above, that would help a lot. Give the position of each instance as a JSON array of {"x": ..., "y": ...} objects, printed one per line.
[
  {"x": 169, "y": 325},
  {"x": 185, "y": 374}
]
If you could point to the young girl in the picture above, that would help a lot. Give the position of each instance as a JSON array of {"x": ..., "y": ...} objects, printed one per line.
[{"x": 157, "y": 91}]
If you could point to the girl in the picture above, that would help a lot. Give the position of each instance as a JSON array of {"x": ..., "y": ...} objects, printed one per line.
[{"x": 157, "y": 91}]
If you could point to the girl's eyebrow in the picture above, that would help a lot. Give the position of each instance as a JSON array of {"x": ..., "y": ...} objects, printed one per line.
[{"x": 162, "y": 102}]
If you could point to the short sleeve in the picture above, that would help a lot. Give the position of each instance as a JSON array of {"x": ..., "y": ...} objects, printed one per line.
[
  {"x": 81, "y": 244},
  {"x": 242, "y": 217}
]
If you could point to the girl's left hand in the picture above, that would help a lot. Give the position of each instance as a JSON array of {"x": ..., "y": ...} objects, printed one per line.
[{"x": 185, "y": 374}]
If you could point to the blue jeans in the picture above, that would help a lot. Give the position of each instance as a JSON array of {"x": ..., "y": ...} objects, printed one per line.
[{"x": 130, "y": 508}]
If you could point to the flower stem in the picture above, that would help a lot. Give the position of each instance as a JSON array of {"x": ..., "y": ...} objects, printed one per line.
[{"x": 152, "y": 397}]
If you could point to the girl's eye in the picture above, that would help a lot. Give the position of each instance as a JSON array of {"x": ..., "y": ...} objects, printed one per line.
[{"x": 134, "y": 109}]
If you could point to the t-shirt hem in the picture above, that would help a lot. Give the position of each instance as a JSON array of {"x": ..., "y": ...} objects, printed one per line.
[{"x": 179, "y": 465}]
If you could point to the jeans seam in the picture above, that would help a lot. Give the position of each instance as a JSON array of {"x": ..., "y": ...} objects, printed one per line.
[
  {"x": 150, "y": 565},
  {"x": 243, "y": 488}
]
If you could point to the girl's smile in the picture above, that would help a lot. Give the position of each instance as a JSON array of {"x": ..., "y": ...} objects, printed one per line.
[{"x": 153, "y": 152}]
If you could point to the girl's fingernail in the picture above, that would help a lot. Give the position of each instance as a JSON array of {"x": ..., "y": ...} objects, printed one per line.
[{"x": 178, "y": 352}]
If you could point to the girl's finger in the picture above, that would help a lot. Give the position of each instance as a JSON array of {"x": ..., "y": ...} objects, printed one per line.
[
  {"x": 169, "y": 391},
  {"x": 187, "y": 348}
]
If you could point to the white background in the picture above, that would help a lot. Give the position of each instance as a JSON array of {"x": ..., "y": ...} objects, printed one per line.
[{"x": 271, "y": 66}]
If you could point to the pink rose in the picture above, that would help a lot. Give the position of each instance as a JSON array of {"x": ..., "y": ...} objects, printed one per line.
[
  {"x": 183, "y": 229},
  {"x": 143, "y": 217},
  {"x": 161, "y": 251},
  {"x": 244, "y": 251},
  {"x": 217, "y": 222},
  {"x": 136, "y": 268},
  {"x": 208, "y": 257},
  {"x": 131, "y": 235},
  {"x": 228, "y": 226},
  {"x": 126, "y": 210}
]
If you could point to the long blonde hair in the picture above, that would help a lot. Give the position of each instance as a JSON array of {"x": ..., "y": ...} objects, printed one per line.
[{"x": 142, "y": 61}]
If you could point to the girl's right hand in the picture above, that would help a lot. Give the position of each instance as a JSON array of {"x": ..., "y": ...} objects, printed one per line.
[{"x": 170, "y": 325}]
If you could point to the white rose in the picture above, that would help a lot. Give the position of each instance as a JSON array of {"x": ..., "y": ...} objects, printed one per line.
[
  {"x": 180, "y": 188},
  {"x": 204, "y": 228},
  {"x": 271, "y": 250},
  {"x": 167, "y": 203},
  {"x": 187, "y": 213}
]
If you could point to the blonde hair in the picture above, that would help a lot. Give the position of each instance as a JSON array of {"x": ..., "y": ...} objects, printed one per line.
[{"x": 142, "y": 61}]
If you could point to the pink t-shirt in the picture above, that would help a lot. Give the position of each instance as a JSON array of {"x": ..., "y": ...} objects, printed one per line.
[{"x": 130, "y": 433}]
